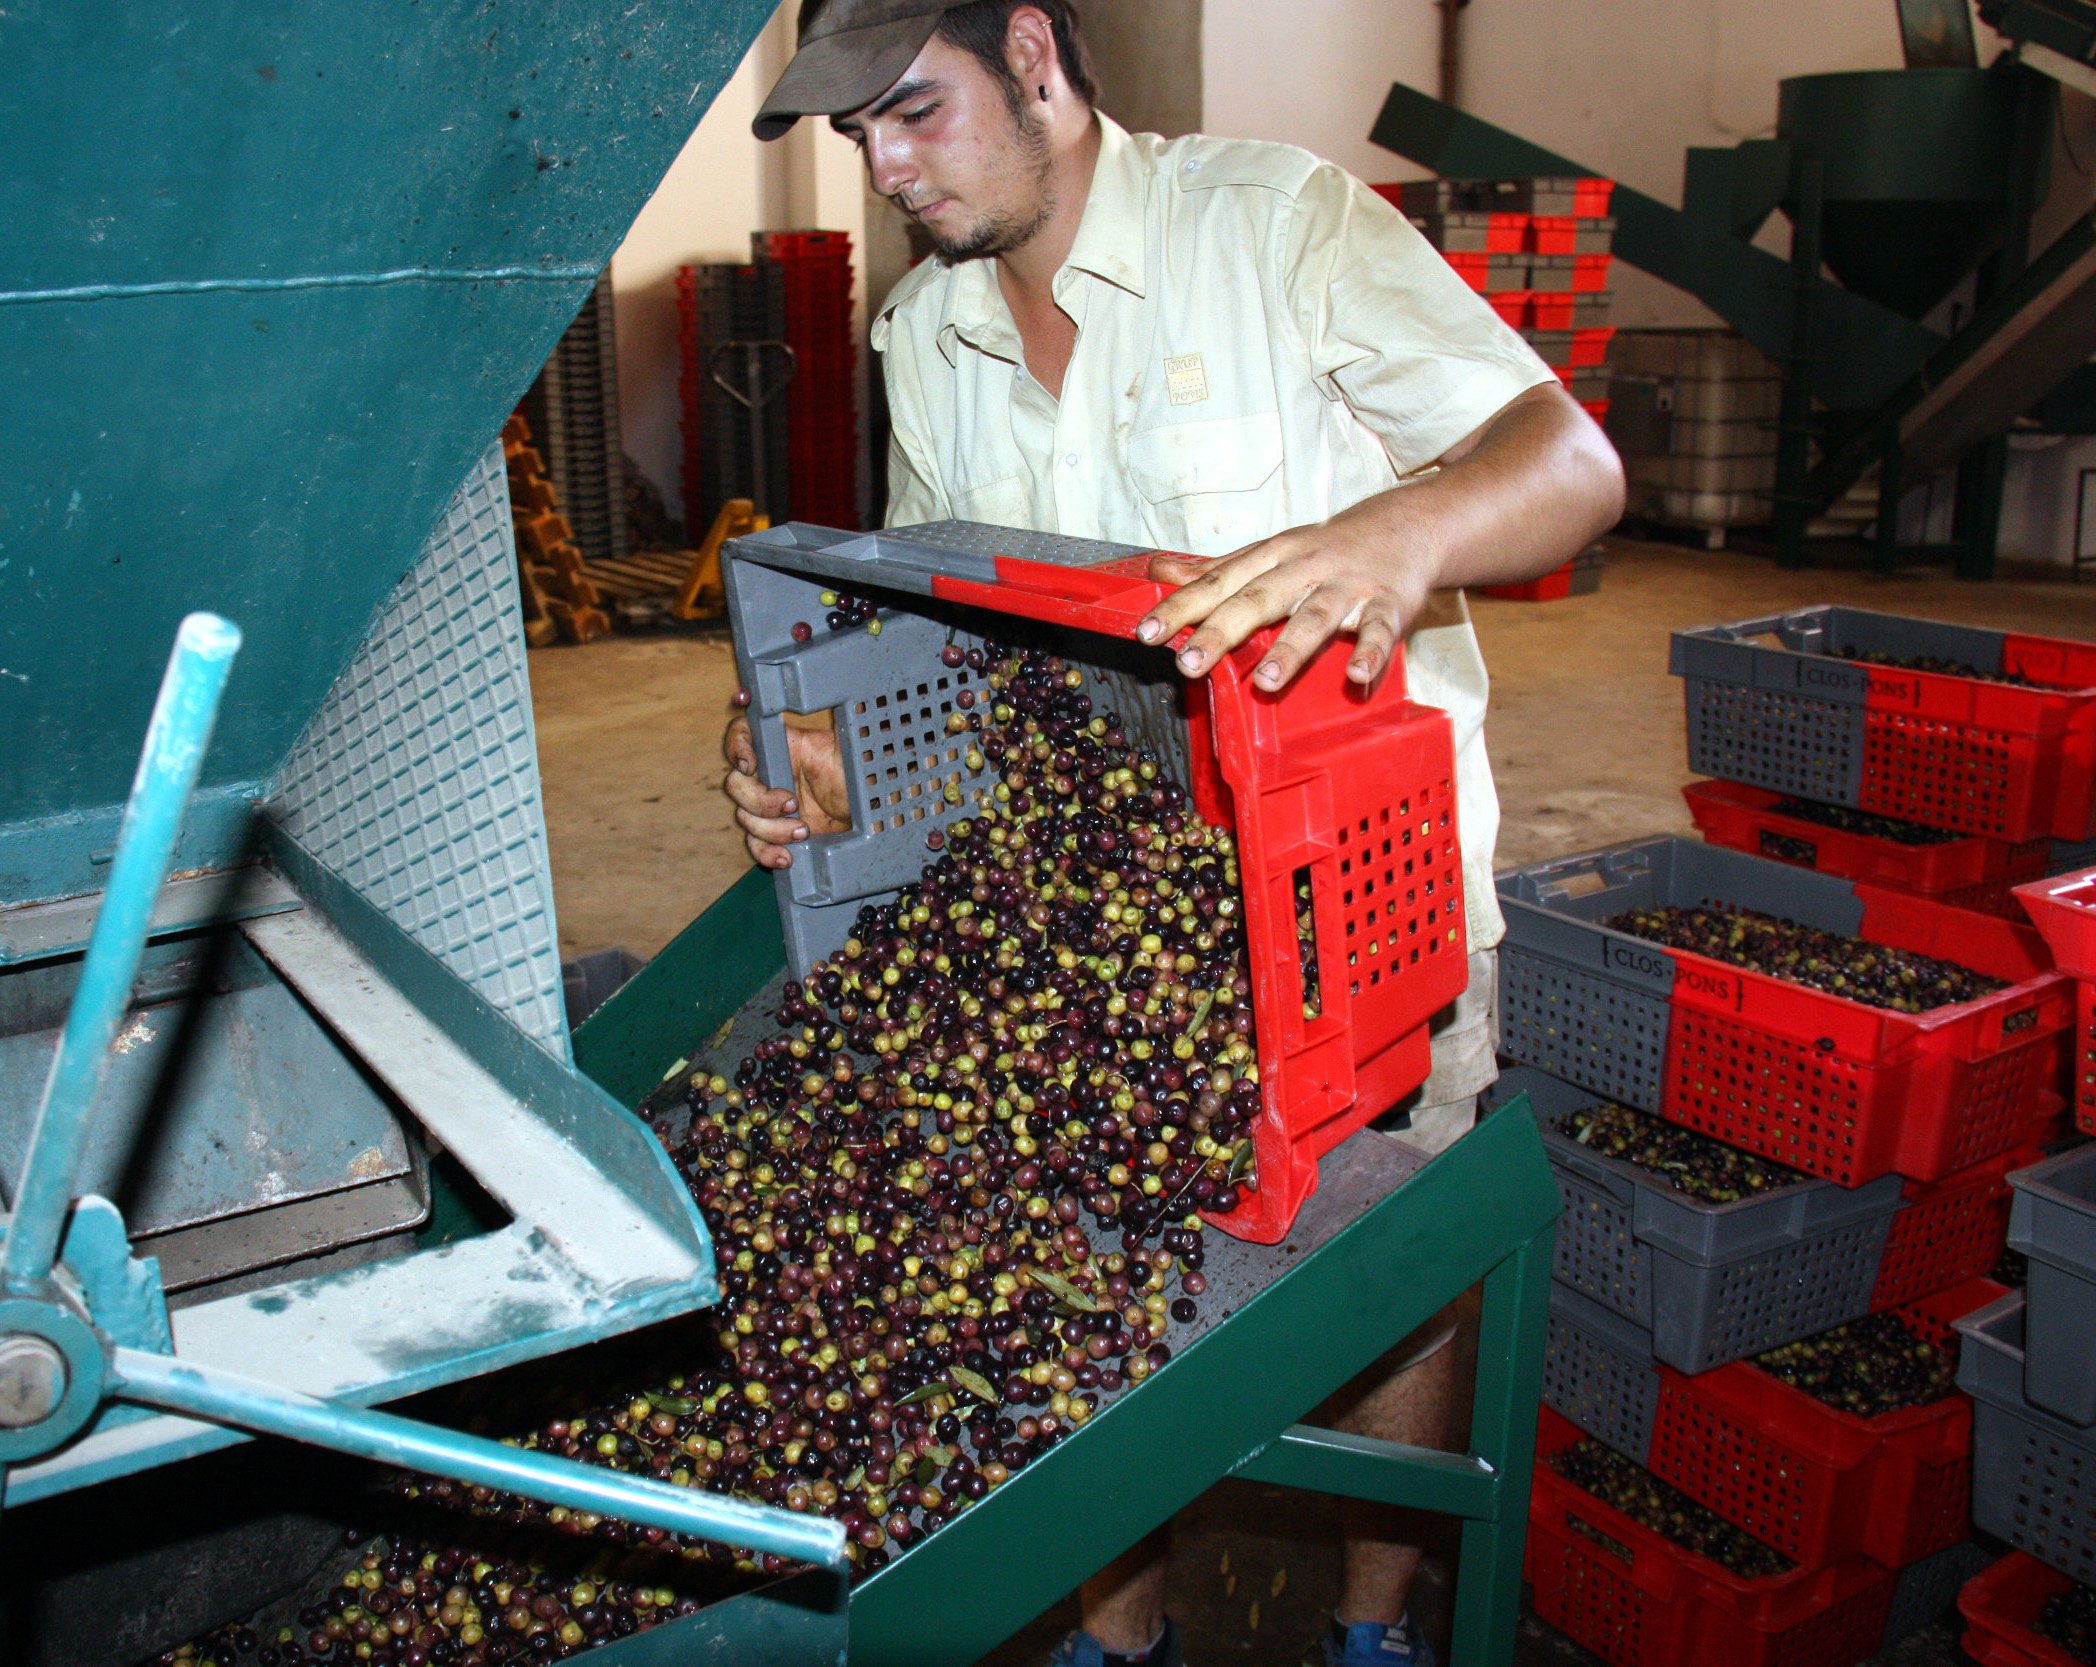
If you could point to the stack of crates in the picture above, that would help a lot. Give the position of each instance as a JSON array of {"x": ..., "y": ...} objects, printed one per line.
[
  {"x": 1957, "y": 784},
  {"x": 1693, "y": 413},
  {"x": 1905, "y": 1136},
  {"x": 723, "y": 311},
  {"x": 573, "y": 410},
  {"x": 822, "y": 425},
  {"x": 1539, "y": 251},
  {"x": 2029, "y": 1363}
]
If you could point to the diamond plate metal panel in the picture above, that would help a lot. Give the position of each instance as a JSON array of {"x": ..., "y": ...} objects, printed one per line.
[{"x": 417, "y": 780}]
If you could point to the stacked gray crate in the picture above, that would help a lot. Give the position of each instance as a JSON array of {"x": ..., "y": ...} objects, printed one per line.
[
  {"x": 1693, "y": 413},
  {"x": 2033, "y": 1475},
  {"x": 573, "y": 410}
]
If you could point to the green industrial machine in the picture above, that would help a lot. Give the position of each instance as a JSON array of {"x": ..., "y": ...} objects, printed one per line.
[
  {"x": 1900, "y": 185},
  {"x": 274, "y": 278}
]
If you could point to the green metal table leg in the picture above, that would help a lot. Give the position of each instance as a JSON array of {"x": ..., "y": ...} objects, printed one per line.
[{"x": 1503, "y": 1433}]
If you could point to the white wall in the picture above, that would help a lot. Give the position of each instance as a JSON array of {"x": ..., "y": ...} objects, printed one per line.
[
  {"x": 1622, "y": 86},
  {"x": 723, "y": 186}
]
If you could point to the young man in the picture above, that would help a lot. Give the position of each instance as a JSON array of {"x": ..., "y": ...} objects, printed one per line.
[{"x": 1228, "y": 349}]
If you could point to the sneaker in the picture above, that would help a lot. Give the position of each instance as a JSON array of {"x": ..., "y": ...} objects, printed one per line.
[
  {"x": 1081, "y": 1649},
  {"x": 1371, "y": 1644}
]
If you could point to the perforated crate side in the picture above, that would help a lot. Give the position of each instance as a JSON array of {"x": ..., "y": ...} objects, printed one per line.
[
  {"x": 1946, "y": 1232},
  {"x": 1635, "y": 1599},
  {"x": 2033, "y": 1475},
  {"x": 1928, "y": 1590},
  {"x": 1708, "y": 1316},
  {"x": 1844, "y": 1119},
  {"x": 1951, "y": 774},
  {"x": 2052, "y": 1221},
  {"x": 1582, "y": 1026},
  {"x": 1781, "y": 740},
  {"x": 1598, "y": 1372},
  {"x": 889, "y": 698},
  {"x": 417, "y": 779}
]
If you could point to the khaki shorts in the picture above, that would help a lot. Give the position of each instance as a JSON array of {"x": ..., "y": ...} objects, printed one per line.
[{"x": 1465, "y": 1033}]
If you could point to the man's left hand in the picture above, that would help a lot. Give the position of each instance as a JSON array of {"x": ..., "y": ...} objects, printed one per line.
[
  {"x": 1510, "y": 501},
  {"x": 1338, "y": 576}
]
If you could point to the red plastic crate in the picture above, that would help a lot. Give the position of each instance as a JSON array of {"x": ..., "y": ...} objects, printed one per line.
[
  {"x": 803, "y": 245},
  {"x": 1955, "y": 1229},
  {"x": 1638, "y": 1600},
  {"x": 1962, "y": 753},
  {"x": 1552, "y": 234},
  {"x": 1590, "y": 345},
  {"x": 1969, "y": 872},
  {"x": 1356, "y": 793},
  {"x": 1506, "y": 234},
  {"x": 1818, "y": 1484},
  {"x": 1547, "y": 312},
  {"x": 1590, "y": 198},
  {"x": 1590, "y": 273},
  {"x": 1850, "y": 1092},
  {"x": 1551, "y": 587},
  {"x": 1470, "y": 267},
  {"x": 2001, "y": 1605},
  {"x": 2064, "y": 909},
  {"x": 1511, "y": 305},
  {"x": 1826, "y": 1085},
  {"x": 1595, "y": 408}
]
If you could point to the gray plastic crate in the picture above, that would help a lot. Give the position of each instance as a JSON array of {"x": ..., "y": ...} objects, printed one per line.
[
  {"x": 2053, "y": 1223},
  {"x": 1589, "y": 1004},
  {"x": 1711, "y": 1283},
  {"x": 889, "y": 696},
  {"x": 2033, "y": 1475},
  {"x": 1598, "y": 1372},
  {"x": 1927, "y": 1590}
]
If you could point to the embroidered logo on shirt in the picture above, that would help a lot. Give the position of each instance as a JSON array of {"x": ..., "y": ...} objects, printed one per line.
[{"x": 1186, "y": 379}]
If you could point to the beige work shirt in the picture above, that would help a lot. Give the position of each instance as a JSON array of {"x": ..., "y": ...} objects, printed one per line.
[{"x": 1262, "y": 342}]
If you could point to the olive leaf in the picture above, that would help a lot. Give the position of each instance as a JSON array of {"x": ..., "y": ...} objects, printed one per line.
[
  {"x": 857, "y": 1477},
  {"x": 1202, "y": 1009},
  {"x": 926, "y": 1392},
  {"x": 940, "y": 1456},
  {"x": 677, "y": 1406},
  {"x": 1063, "y": 1291},
  {"x": 975, "y": 1383},
  {"x": 1242, "y": 1161}
]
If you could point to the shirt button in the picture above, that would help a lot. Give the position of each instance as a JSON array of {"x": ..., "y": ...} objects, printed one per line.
[
  {"x": 1069, "y": 460},
  {"x": 1193, "y": 167}
]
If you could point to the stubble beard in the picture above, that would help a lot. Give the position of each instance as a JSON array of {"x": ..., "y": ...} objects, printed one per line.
[{"x": 1030, "y": 157}]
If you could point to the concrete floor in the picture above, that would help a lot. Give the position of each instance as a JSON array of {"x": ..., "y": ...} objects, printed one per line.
[{"x": 1587, "y": 747}]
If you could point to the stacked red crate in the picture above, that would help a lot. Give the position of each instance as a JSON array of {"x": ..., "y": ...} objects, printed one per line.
[{"x": 822, "y": 403}]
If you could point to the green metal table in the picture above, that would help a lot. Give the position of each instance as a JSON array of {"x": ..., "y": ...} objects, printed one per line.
[{"x": 1389, "y": 1238}]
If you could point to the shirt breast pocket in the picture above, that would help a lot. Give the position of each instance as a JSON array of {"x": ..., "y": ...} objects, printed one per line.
[
  {"x": 1210, "y": 487},
  {"x": 1004, "y": 502}
]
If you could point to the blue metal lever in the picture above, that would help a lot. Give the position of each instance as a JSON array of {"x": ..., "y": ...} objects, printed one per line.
[
  {"x": 167, "y": 772},
  {"x": 224, "y": 1398}
]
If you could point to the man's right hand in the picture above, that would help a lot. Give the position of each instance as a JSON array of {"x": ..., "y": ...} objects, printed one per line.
[{"x": 774, "y": 819}]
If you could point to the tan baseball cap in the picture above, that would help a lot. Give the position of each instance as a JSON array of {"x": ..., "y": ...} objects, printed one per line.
[{"x": 851, "y": 52}]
